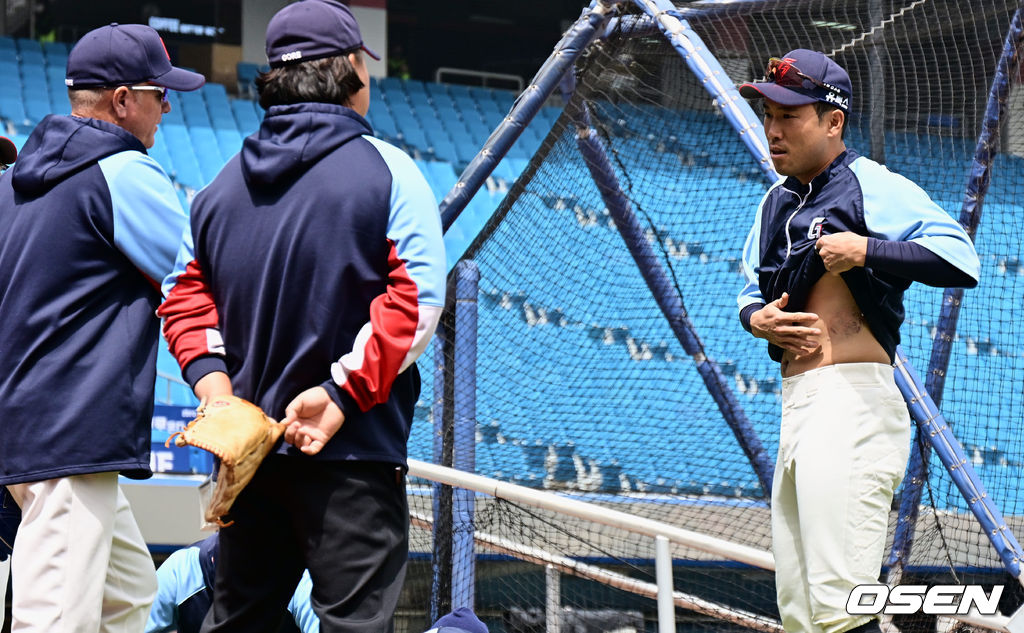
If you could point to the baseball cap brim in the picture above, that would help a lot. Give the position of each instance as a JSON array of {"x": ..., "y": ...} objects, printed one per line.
[
  {"x": 775, "y": 92},
  {"x": 366, "y": 49},
  {"x": 180, "y": 79},
  {"x": 8, "y": 151}
]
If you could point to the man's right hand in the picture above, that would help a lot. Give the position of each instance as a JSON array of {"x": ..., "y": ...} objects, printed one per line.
[
  {"x": 312, "y": 419},
  {"x": 791, "y": 331}
]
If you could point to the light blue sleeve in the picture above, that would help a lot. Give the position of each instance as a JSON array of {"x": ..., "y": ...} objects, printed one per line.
[
  {"x": 301, "y": 607},
  {"x": 178, "y": 578},
  {"x": 751, "y": 261},
  {"x": 148, "y": 218},
  {"x": 186, "y": 254},
  {"x": 896, "y": 209},
  {"x": 415, "y": 224}
]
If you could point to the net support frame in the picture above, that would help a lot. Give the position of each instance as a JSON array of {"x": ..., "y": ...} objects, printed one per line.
[
  {"x": 952, "y": 298},
  {"x": 453, "y": 584}
]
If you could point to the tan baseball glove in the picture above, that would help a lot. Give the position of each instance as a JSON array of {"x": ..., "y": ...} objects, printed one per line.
[{"x": 240, "y": 435}]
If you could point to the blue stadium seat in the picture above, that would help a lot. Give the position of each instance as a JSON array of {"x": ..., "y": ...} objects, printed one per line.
[
  {"x": 36, "y": 108},
  {"x": 443, "y": 149},
  {"x": 229, "y": 140},
  {"x": 207, "y": 151},
  {"x": 391, "y": 84},
  {"x": 27, "y": 44},
  {"x": 10, "y": 90},
  {"x": 179, "y": 147},
  {"x": 246, "y": 73},
  {"x": 160, "y": 154},
  {"x": 245, "y": 117},
  {"x": 13, "y": 109},
  {"x": 32, "y": 57},
  {"x": 7, "y": 43},
  {"x": 60, "y": 49},
  {"x": 216, "y": 96}
]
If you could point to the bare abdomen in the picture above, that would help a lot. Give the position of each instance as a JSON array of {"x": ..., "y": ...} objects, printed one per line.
[{"x": 845, "y": 336}]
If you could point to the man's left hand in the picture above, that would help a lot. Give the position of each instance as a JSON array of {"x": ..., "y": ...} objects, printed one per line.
[{"x": 842, "y": 251}]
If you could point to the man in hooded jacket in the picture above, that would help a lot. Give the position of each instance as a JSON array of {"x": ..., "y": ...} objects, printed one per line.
[
  {"x": 312, "y": 277},
  {"x": 89, "y": 225}
]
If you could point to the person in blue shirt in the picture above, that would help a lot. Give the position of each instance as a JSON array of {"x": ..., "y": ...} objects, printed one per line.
[
  {"x": 834, "y": 245},
  {"x": 185, "y": 592},
  {"x": 89, "y": 226}
]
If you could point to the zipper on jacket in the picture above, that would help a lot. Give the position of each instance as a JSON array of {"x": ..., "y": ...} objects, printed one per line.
[{"x": 789, "y": 240}]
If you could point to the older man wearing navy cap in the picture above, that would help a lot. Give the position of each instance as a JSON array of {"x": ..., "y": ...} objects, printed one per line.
[
  {"x": 313, "y": 276},
  {"x": 89, "y": 226},
  {"x": 833, "y": 247}
]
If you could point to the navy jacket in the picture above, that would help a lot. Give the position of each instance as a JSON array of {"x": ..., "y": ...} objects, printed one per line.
[
  {"x": 314, "y": 258},
  {"x": 89, "y": 224},
  {"x": 853, "y": 194}
]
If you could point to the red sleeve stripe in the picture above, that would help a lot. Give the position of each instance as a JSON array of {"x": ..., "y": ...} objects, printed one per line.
[
  {"x": 382, "y": 345},
  {"x": 190, "y": 317}
]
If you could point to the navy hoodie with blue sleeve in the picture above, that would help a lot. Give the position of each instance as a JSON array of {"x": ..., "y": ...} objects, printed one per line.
[
  {"x": 314, "y": 258},
  {"x": 89, "y": 225},
  {"x": 910, "y": 238}
]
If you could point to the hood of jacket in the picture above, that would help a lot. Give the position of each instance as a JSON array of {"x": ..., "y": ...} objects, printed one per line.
[
  {"x": 294, "y": 137},
  {"x": 61, "y": 146}
]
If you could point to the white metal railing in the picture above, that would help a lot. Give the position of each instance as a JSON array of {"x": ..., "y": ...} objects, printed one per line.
[{"x": 662, "y": 533}]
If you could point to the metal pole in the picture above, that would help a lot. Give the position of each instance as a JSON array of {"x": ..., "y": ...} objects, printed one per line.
[
  {"x": 467, "y": 277},
  {"x": 552, "y": 599},
  {"x": 933, "y": 426},
  {"x": 663, "y": 574},
  {"x": 443, "y": 449}
]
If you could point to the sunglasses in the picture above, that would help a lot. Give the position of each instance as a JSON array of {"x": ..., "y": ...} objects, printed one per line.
[
  {"x": 783, "y": 73},
  {"x": 160, "y": 89}
]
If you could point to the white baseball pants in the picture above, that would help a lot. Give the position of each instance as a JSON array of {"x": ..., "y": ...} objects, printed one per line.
[
  {"x": 80, "y": 564},
  {"x": 843, "y": 450}
]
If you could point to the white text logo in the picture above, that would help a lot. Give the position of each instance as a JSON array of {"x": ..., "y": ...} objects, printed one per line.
[
  {"x": 842, "y": 102},
  {"x": 936, "y": 600},
  {"x": 287, "y": 57}
]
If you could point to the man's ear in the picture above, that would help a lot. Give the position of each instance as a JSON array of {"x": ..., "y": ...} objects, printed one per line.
[
  {"x": 119, "y": 101},
  {"x": 836, "y": 119}
]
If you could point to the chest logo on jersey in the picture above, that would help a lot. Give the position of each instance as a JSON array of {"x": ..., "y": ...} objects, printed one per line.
[{"x": 814, "y": 232}]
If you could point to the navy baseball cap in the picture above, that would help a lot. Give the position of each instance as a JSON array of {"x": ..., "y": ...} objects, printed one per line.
[
  {"x": 802, "y": 77},
  {"x": 461, "y": 620},
  {"x": 312, "y": 29},
  {"x": 123, "y": 55}
]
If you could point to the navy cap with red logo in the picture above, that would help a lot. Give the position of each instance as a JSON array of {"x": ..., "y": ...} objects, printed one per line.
[
  {"x": 800, "y": 77},
  {"x": 124, "y": 55},
  {"x": 312, "y": 29}
]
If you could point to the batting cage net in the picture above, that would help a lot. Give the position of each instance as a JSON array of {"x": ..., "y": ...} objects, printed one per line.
[{"x": 581, "y": 382}]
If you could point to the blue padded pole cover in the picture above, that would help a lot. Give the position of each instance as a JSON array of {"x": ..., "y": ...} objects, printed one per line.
[{"x": 932, "y": 426}]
